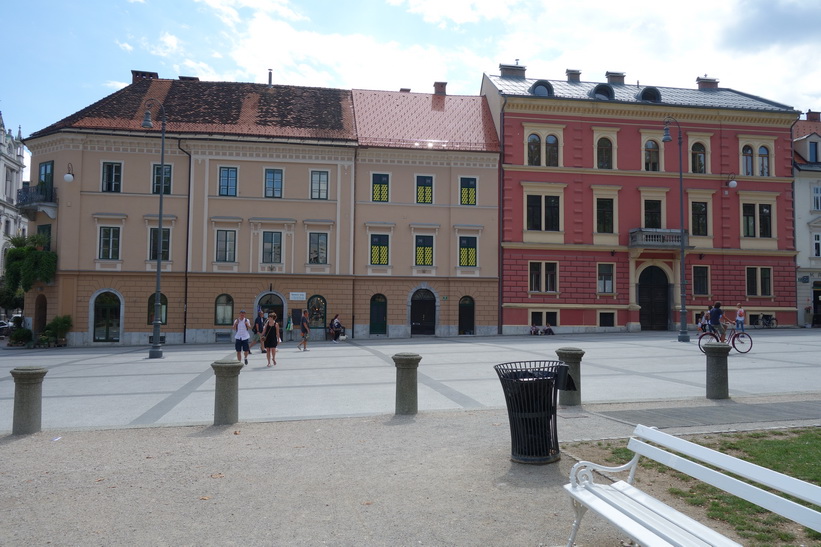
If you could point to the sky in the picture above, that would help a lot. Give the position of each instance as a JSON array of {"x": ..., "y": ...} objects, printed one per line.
[{"x": 63, "y": 56}]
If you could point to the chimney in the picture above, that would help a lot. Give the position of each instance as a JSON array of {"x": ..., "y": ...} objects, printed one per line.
[
  {"x": 270, "y": 78},
  {"x": 439, "y": 88},
  {"x": 512, "y": 71},
  {"x": 707, "y": 83},
  {"x": 813, "y": 116},
  {"x": 615, "y": 78},
  {"x": 404, "y": 90},
  {"x": 573, "y": 76},
  {"x": 189, "y": 78},
  {"x": 138, "y": 75}
]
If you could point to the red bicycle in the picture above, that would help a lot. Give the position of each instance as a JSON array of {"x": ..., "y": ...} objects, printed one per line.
[{"x": 741, "y": 341}]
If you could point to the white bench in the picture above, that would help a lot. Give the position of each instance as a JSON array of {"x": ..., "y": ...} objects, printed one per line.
[{"x": 648, "y": 521}]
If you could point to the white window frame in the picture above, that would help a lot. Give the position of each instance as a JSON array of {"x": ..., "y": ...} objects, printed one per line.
[{"x": 543, "y": 131}]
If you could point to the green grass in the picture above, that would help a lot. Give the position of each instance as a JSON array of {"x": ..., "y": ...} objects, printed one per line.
[{"x": 795, "y": 453}]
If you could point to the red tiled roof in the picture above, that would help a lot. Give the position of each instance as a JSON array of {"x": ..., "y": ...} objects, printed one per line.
[
  {"x": 396, "y": 119},
  {"x": 802, "y": 128},
  {"x": 222, "y": 108}
]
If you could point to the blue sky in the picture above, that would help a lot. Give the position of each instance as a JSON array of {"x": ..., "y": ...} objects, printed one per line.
[{"x": 62, "y": 56}]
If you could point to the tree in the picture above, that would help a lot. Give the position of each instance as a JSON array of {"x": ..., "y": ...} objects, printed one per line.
[{"x": 26, "y": 264}]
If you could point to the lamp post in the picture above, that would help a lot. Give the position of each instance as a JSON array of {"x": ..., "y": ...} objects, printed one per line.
[
  {"x": 683, "y": 335},
  {"x": 156, "y": 348}
]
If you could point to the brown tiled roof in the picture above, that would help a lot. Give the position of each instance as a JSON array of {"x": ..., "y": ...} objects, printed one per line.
[
  {"x": 222, "y": 108},
  {"x": 802, "y": 128},
  {"x": 396, "y": 119}
]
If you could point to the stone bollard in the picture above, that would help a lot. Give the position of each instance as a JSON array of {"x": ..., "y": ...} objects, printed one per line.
[
  {"x": 572, "y": 357},
  {"x": 407, "y": 401},
  {"x": 717, "y": 384},
  {"x": 226, "y": 392},
  {"x": 28, "y": 399}
]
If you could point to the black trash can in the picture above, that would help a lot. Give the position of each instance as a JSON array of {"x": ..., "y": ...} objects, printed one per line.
[{"x": 531, "y": 390}]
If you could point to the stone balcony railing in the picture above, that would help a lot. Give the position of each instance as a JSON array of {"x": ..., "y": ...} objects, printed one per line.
[{"x": 657, "y": 238}]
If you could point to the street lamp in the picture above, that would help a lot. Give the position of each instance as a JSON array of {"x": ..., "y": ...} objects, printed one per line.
[
  {"x": 156, "y": 348},
  {"x": 683, "y": 336}
]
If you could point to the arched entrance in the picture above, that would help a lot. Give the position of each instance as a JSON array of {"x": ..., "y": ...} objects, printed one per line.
[
  {"x": 379, "y": 315},
  {"x": 467, "y": 318},
  {"x": 654, "y": 299},
  {"x": 423, "y": 312},
  {"x": 107, "y": 317},
  {"x": 318, "y": 316},
  {"x": 40, "y": 313},
  {"x": 272, "y": 303}
]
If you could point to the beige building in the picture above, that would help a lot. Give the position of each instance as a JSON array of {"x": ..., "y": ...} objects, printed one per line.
[{"x": 266, "y": 205}]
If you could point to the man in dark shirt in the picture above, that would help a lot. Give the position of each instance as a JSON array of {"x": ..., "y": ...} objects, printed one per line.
[
  {"x": 259, "y": 326},
  {"x": 717, "y": 320},
  {"x": 305, "y": 328}
]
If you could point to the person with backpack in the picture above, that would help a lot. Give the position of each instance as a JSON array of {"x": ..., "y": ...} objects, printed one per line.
[{"x": 242, "y": 330}]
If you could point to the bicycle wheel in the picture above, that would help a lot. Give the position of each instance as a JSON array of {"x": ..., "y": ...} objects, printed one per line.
[
  {"x": 705, "y": 338},
  {"x": 742, "y": 342},
  {"x": 773, "y": 323}
]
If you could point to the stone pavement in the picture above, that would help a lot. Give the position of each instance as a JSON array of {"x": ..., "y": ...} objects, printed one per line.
[{"x": 319, "y": 457}]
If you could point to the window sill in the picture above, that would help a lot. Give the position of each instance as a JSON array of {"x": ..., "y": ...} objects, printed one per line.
[
  {"x": 468, "y": 271},
  {"x": 218, "y": 267},
  {"x": 272, "y": 267},
  {"x": 379, "y": 269},
  {"x": 151, "y": 265},
  {"x": 424, "y": 270},
  {"x": 108, "y": 265}
]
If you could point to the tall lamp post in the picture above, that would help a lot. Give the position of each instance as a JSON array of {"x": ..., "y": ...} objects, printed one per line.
[
  {"x": 683, "y": 335},
  {"x": 156, "y": 348}
]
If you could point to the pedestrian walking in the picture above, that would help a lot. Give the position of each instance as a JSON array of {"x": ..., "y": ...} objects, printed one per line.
[
  {"x": 740, "y": 316},
  {"x": 305, "y": 330},
  {"x": 242, "y": 333},
  {"x": 259, "y": 324},
  {"x": 271, "y": 338},
  {"x": 336, "y": 328}
]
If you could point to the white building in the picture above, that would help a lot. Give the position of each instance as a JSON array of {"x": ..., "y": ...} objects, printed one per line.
[
  {"x": 807, "y": 167},
  {"x": 11, "y": 166}
]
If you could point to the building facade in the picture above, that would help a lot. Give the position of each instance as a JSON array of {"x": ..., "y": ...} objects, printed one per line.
[
  {"x": 12, "y": 164},
  {"x": 590, "y": 207},
  {"x": 262, "y": 187},
  {"x": 806, "y": 143}
]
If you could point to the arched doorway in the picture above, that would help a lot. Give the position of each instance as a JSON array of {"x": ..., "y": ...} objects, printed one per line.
[
  {"x": 423, "y": 312},
  {"x": 107, "y": 317},
  {"x": 318, "y": 316},
  {"x": 654, "y": 299},
  {"x": 271, "y": 302},
  {"x": 467, "y": 317},
  {"x": 379, "y": 315},
  {"x": 40, "y": 313}
]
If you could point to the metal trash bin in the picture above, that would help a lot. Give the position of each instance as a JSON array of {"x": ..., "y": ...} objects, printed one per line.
[{"x": 531, "y": 390}]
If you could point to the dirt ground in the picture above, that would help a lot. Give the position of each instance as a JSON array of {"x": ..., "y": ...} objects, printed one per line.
[{"x": 659, "y": 483}]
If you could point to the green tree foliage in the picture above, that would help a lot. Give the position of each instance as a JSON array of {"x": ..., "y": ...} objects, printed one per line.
[{"x": 26, "y": 265}]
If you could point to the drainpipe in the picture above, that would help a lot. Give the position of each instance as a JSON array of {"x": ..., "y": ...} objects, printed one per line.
[
  {"x": 500, "y": 213},
  {"x": 187, "y": 244}
]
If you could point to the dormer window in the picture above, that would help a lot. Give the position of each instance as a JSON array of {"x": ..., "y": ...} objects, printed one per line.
[
  {"x": 603, "y": 92},
  {"x": 650, "y": 94},
  {"x": 542, "y": 88}
]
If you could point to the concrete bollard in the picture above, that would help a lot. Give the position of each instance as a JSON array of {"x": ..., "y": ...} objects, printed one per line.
[
  {"x": 717, "y": 384},
  {"x": 572, "y": 357},
  {"x": 28, "y": 399},
  {"x": 407, "y": 400},
  {"x": 226, "y": 392}
]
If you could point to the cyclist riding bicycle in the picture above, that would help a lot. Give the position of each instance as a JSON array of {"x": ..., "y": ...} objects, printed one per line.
[{"x": 718, "y": 320}]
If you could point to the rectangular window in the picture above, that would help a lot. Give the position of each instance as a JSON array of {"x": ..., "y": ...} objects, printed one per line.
[
  {"x": 604, "y": 215},
  {"x": 699, "y": 220},
  {"x": 467, "y": 251},
  {"x": 813, "y": 152},
  {"x": 272, "y": 247},
  {"x": 319, "y": 185},
  {"x": 318, "y": 248},
  {"x": 42, "y": 229},
  {"x": 605, "y": 279},
  {"x": 607, "y": 319},
  {"x": 551, "y": 213},
  {"x": 759, "y": 281},
  {"x": 652, "y": 213},
  {"x": 701, "y": 280},
  {"x": 152, "y": 243},
  {"x": 542, "y": 319},
  {"x": 765, "y": 220},
  {"x": 273, "y": 183},
  {"x": 760, "y": 216},
  {"x": 748, "y": 219},
  {"x": 165, "y": 181},
  {"x": 226, "y": 245},
  {"x": 424, "y": 251},
  {"x": 228, "y": 181},
  {"x": 424, "y": 189},
  {"x": 816, "y": 245},
  {"x": 46, "y": 173},
  {"x": 112, "y": 176},
  {"x": 109, "y": 243},
  {"x": 467, "y": 191},
  {"x": 816, "y": 198},
  {"x": 543, "y": 211},
  {"x": 544, "y": 276},
  {"x": 379, "y": 187},
  {"x": 379, "y": 249}
]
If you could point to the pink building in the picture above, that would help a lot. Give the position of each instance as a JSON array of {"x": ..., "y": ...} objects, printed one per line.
[{"x": 590, "y": 210}]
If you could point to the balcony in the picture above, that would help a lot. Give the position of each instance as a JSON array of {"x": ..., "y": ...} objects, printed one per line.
[
  {"x": 656, "y": 238},
  {"x": 38, "y": 198}
]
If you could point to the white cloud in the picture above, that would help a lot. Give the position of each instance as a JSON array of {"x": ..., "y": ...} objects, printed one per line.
[
  {"x": 112, "y": 84},
  {"x": 166, "y": 46},
  {"x": 125, "y": 46},
  {"x": 458, "y": 11}
]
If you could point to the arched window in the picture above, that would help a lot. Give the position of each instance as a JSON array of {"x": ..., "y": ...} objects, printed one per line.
[
  {"x": 551, "y": 147},
  {"x": 224, "y": 310},
  {"x": 699, "y": 158},
  {"x": 534, "y": 150},
  {"x": 317, "y": 313},
  {"x": 604, "y": 153},
  {"x": 747, "y": 161},
  {"x": 651, "y": 156},
  {"x": 603, "y": 92},
  {"x": 542, "y": 89},
  {"x": 651, "y": 94},
  {"x": 163, "y": 309},
  {"x": 107, "y": 318},
  {"x": 763, "y": 161}
]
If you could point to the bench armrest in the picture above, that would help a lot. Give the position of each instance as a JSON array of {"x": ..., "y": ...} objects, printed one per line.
[{"x": 582, "y": 473}]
